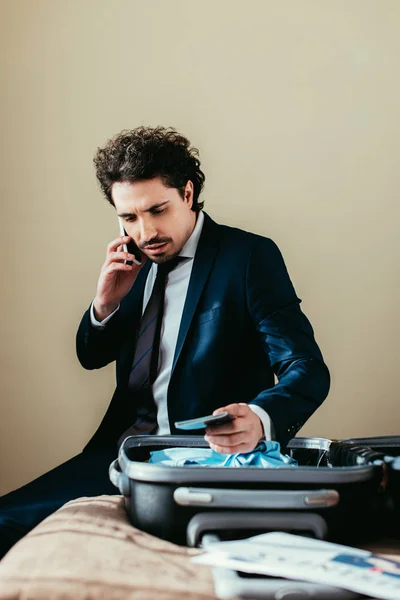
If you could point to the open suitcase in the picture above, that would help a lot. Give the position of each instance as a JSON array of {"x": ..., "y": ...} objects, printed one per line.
[{"x": 334, "y": 493}]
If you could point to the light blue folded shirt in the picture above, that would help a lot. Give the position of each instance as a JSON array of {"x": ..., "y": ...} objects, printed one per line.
[{"x": 266, "y": 454}]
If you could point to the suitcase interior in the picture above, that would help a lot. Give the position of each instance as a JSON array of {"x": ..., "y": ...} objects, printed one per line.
[
  {"x": 389, "y": 445},
  {"x": 354, "y": 472}
]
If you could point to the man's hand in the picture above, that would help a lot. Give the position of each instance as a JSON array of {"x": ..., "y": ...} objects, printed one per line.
[
  {"x": 240, "y": 435},
  {"x": 116, "y": 278}
]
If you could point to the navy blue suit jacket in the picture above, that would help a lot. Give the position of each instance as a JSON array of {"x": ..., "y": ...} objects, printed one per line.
[{"x": 241, "y": 324}]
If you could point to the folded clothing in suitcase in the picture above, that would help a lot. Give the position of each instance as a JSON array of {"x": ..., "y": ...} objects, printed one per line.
[
  {"x": 266, "y": 454},
  {"x": 333, "y": 493}
]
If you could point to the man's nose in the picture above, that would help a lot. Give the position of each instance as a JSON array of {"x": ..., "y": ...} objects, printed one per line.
[{"x": 147, "y": 232}]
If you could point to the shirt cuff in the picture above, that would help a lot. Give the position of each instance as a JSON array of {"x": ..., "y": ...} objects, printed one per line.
[
  {"x": 101, "y": 324},
  {"x": 266, "y": 422}
]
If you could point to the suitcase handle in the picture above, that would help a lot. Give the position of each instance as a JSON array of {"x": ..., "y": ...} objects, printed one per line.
[
  {"x": 264, "y": 499},
  {"x": 119, "y": 479},
  {"x": 229, "y": 584},
  {"x": 239, "y": 520}
]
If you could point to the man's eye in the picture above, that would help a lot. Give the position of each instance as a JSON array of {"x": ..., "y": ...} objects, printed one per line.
[{"x": 157, "y": 211}]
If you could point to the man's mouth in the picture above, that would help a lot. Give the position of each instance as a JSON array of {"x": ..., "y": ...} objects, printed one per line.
[{"x": 156, "y": 248}]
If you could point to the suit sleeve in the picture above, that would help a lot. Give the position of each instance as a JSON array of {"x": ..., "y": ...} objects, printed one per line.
[
  {"x": 96, "y": 347},
  {"x": 287, "y": 339}
]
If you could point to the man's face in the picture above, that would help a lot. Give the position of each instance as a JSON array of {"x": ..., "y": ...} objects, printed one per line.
[{"x": 155, "y": 216}]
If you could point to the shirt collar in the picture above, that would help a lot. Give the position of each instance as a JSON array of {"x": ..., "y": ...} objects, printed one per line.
[{"x": 189, "y": 249}]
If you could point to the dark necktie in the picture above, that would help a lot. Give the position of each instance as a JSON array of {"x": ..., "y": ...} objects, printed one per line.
[{"x": 145, "y": 362}]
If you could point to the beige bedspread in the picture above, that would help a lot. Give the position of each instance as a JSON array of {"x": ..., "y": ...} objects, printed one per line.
[{"x": 88, "y": 550}]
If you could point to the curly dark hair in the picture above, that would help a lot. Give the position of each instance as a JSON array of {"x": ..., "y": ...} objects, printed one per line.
[{"x": 148, "y": 152}]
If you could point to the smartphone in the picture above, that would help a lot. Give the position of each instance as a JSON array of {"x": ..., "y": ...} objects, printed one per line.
[
  {"x": 203, "y": 422},
  {"x": 130, "y": 247}
]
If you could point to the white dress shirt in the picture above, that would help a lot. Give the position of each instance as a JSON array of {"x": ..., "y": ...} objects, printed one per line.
[{"x": 175, "y": 295}]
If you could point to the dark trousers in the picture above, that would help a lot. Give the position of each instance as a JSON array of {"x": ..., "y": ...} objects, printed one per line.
[{"x": 84, "y": 475}]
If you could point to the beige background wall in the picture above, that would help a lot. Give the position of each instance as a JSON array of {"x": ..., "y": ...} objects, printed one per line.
[{"x": 294, "y": 106}]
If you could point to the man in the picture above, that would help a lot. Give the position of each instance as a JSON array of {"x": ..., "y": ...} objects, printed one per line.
[{"x": 202, "y": 325}]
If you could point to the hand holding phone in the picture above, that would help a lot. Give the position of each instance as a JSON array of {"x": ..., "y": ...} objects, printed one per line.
[
  {"x": 203, "y": 422},
  {"x": 117, "y": 275},
  {"x": 131, "y": 247}
]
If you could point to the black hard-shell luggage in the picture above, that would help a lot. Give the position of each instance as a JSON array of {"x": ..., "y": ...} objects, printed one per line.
[
  {"x": 332, "y": 494},
  {"x": 389, "y": 448}
]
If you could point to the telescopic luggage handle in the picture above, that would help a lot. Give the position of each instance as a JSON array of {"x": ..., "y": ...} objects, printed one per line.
[
  {"x": 217, "y": 521},
  {"x": 261, "y": 499}
]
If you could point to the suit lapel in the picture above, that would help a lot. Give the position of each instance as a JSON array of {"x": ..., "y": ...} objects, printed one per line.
[{"x": 203, "y": 261}]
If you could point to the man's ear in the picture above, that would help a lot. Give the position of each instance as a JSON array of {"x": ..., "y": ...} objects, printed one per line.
[{"x": 188, "y": 193}]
